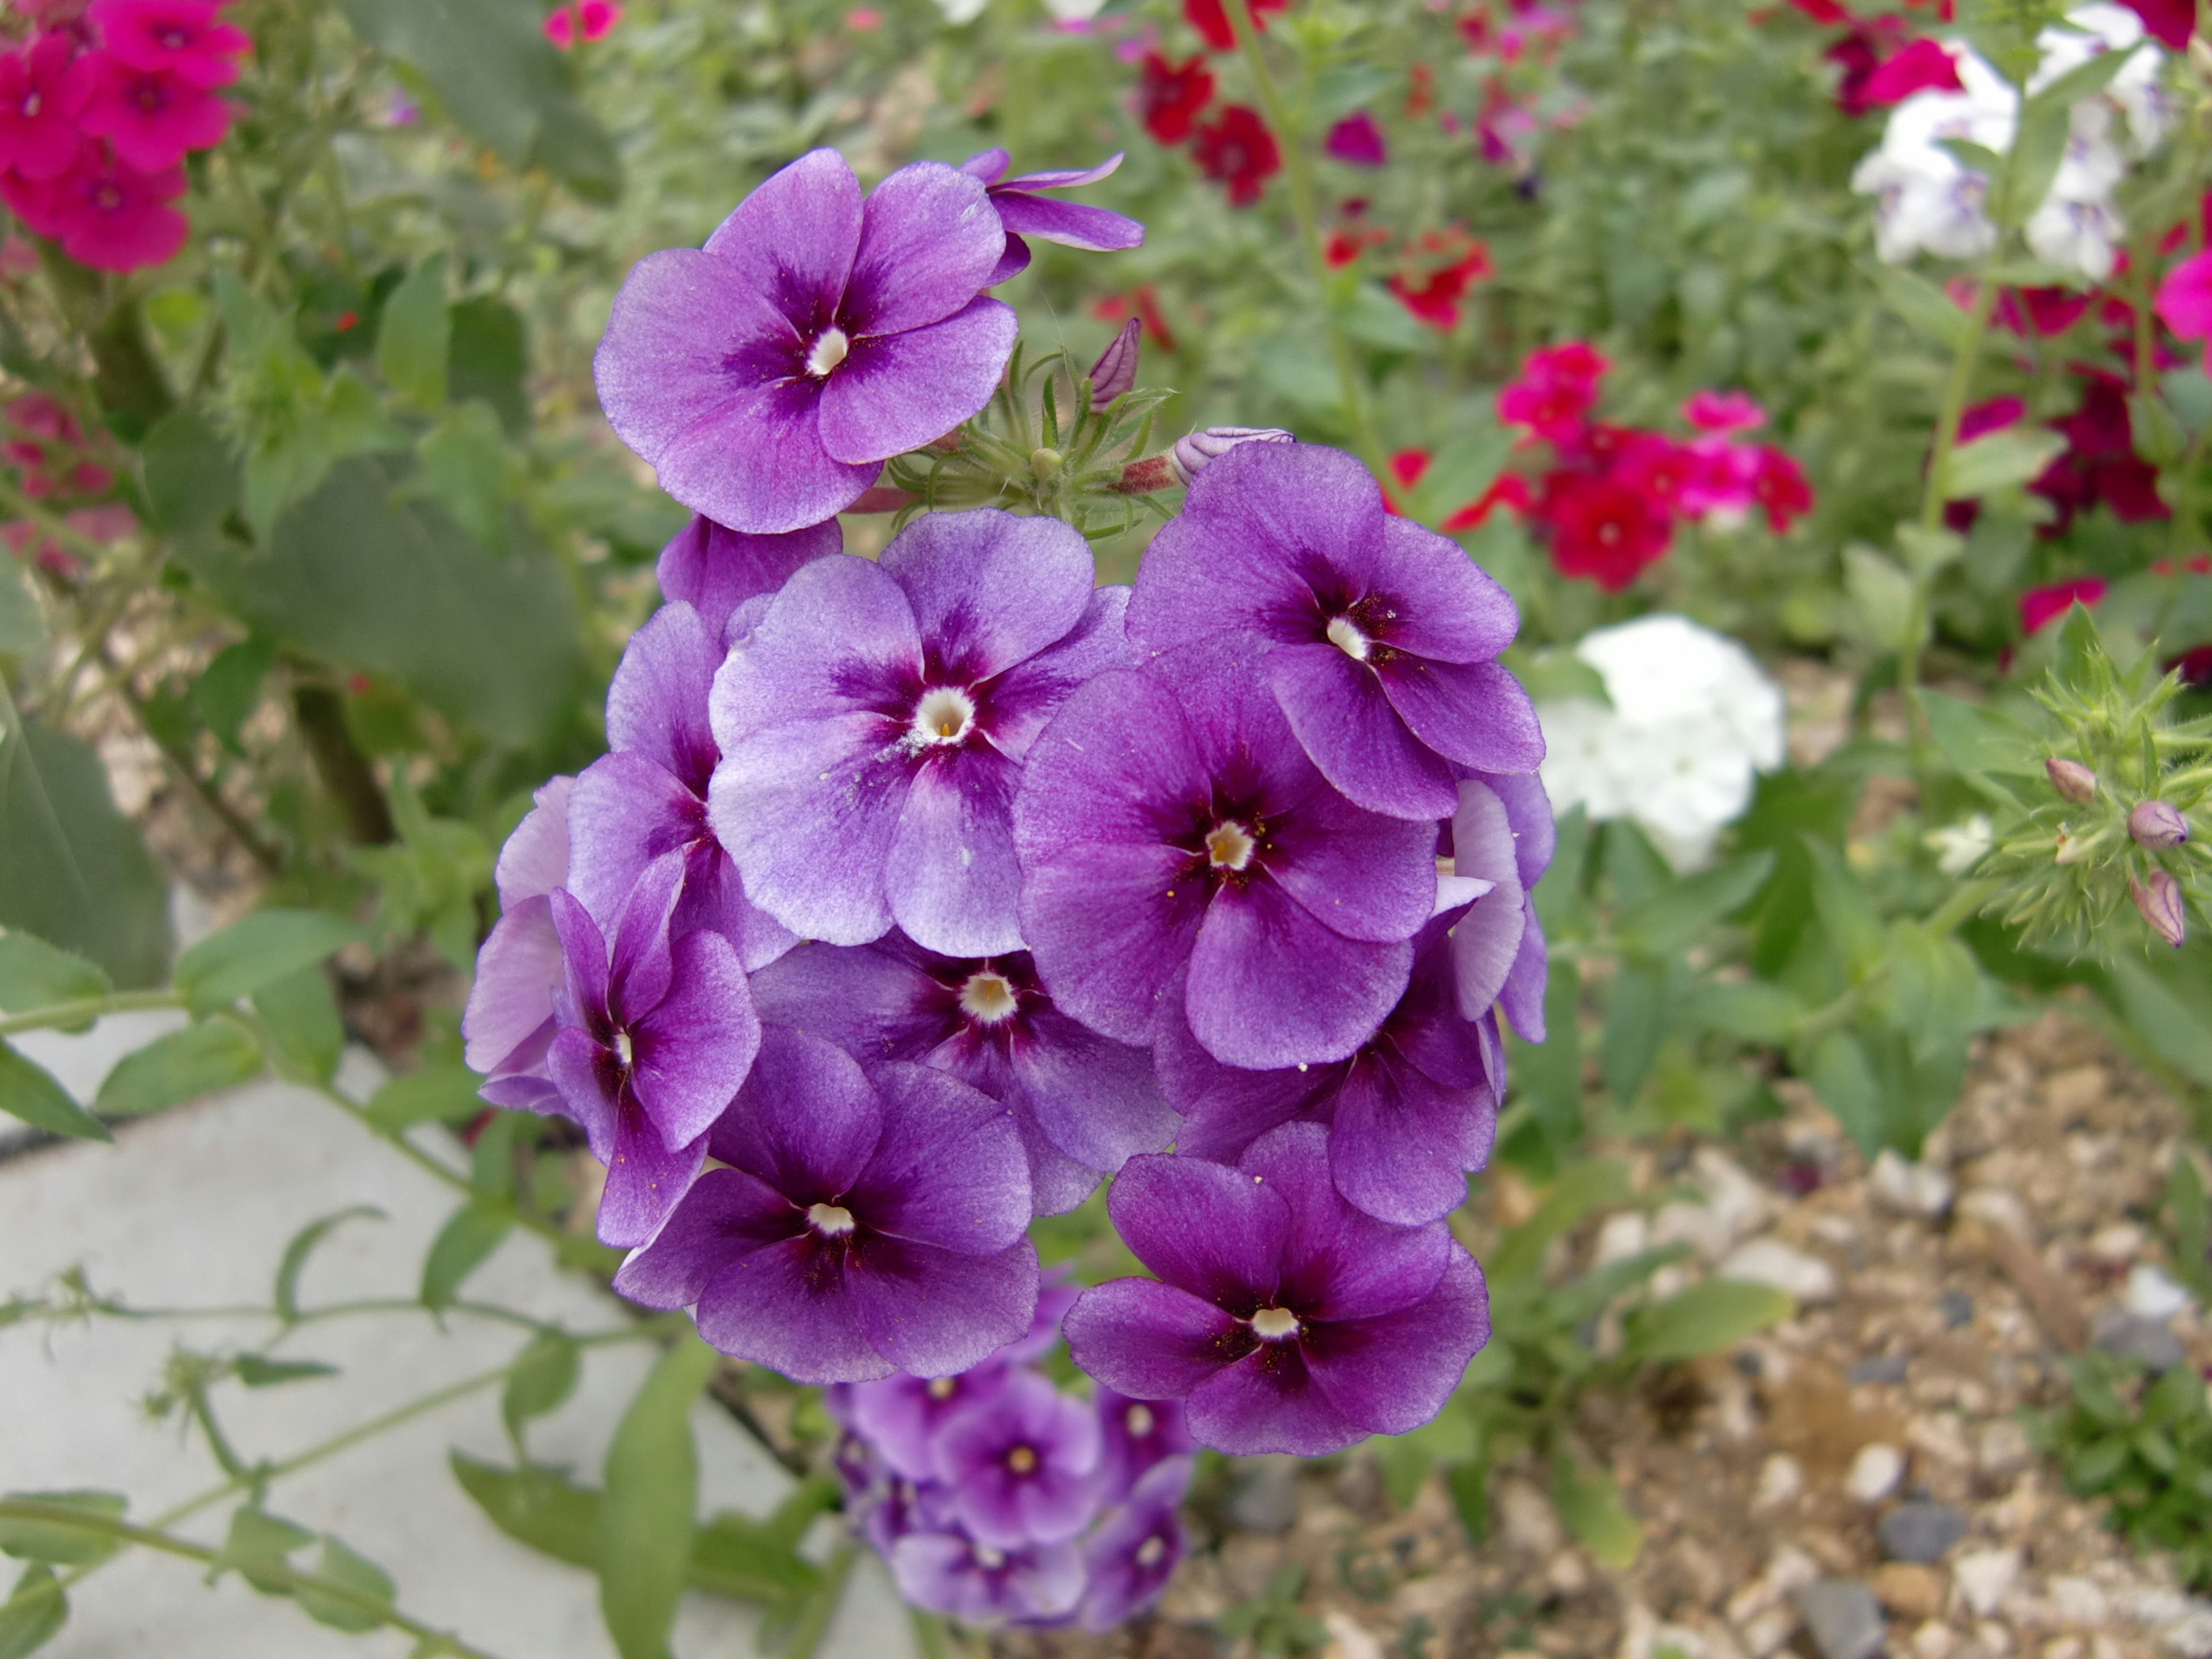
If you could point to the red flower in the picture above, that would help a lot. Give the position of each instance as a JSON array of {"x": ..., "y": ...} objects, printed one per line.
[
  {"x": 1602, "y": 528},
  {"x": 1142, "y": 304},
  {"x": 152, "y": 117},
  {"x": 1212, "y": 23},
  {"x": 1778, "y": 486},
  {"x": 2167, "y": 22},
  {"x": 1236, "y": 149},
  {"x": 1408, "y": 466},
  {"x": 2040, "y": 606},
  {"x": 1434, "y": 299},
  {"x": 1922, "y": 66},
  {"x": 1170, "y": 98},
  {"x": 2046, "y": 311},
  {"x": 1858, "y": 54},
  {"x": 1656, "y": 467},
  {"x": 2194, "y": 665},
  {"x": 183, "y": 38},
  {"x": 1827, "y": 13},
  {"x": 39, "y": 98},
  {"x": 1558, "y": 386}
]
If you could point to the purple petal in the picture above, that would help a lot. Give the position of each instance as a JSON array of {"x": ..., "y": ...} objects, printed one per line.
[
  {"x": 726, "y": 1213},
  {"x": 1121, "y": 1578},
  {"x": 645, "y": 1178},
  {"x": 776, "y": 1307},
  {"x": 714, "y": 569},
  {"x": 639, "y": 967},
  {"x": 1231, "y": 1260},
  {"x": 807, "y": 1121},
  {"x": 1058, "y": 1184},
  {"x": 792, "y": 239},
  {"x": 897, "y": 391},
  {"x": 1338, "y": 1263},
  {"x": 987, "y": 165},
  {"x": 839, "y": 638},
  {"x": 1447, "y": 608},
  {"x": 1268, "y": 1403},
  {"x": 1426, "y": 1029},
  {"x": 987, "y": 589},
  {"x": 900, "y": 1415},
  {"x": 1528, "y": 810},
  {"x": 1072, "y": 224},
  {"x": 869, "y": 1000},
  {"x": 1368, "y": 875},
  {"x": 1271, "y": 986},
  {"x": 1522, "y": 998},
  {"x": 1150, "y": 1340},
  {"x": 657, "y": 703},
  {"x": 1245, "y": 743},
  {"x": 518, "y": 970},
  {"x": 590, "y": 1081},
  {"x": 623, "y": 813},
  {"x": 583, "y": 954},
  {"x": 1485, "y": 941},
  {"x": 1061, "y": 179},
  {"x": 935, "y": 1313},
  {"x": 535, "y": 859},
  {"x": 693, "y": 1050},
  {"x": 1012, "y": 262},
  {"x": 929, "y": 239},
  {"x": 1393, "y": 1374},
  {"x": 1226, "y": 1108},
  {"x": 1472, "y": 712},
  {"x": 809, "y": 812},
  {"x": 950, "y": 876},
  {"x": 1096, "y": 1098},
  {"x": 715, "y": 899},
  {"x": 1346, "y": 722},
  {"x": 941, "y": 1572},
  {"x": 1024, "y": 698},
  {"x": 949, "y": 1170},
  {"x": 1403, "y": 1142}
]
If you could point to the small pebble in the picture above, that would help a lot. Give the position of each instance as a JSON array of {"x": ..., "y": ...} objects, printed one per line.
[
  {"x": 1919, "y": 1532},
  {"x": 2152, "y": 1294},
  {"x": 1984, "y": 1577},
  {"x": 2131, "y": 1336},
  {"x": 1905, "y": 1189},
  {"x": 1770, "y": 1261},
  {"x": 1882, "y": 1368},
  {"x": 1957, "y": 1309},
  {"x": 1908, "y": 1589},
  {"x": 1781, "y": 1479},
  {"x": 1874, "y": 1473},
  {"x": 1843, "y": 1618},
  {"x": 1265, "y": 1495}
]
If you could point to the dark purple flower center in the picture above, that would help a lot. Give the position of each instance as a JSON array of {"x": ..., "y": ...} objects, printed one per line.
[
  {"x": 149, "y": 95},
  {"x": 1359, "y": 628}
]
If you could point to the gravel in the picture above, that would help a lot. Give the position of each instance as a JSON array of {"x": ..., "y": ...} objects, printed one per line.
[
  {"x": 1843, "y": 1618},
  {"x": 1919, "y": 1532}
]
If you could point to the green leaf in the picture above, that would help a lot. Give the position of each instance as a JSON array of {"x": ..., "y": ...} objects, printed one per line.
[
  {"x": 33, "y": 1614},
  {"x": 191, "y": 477},
  {"x": 257, "y": 1372},
  {"x": 182, "y": 1065},
  {"x": 342, "y": 1566},
  {"x": 1590, "y": 1507},
  {"x": 229, "y": 687},
  {"x": 2159, "y": 437},
  {"x": 644, "y": 1535},
  {"x": 1924, "y": 306},
  {"x": 1843, "y": 1079},
  {"x": 1667, "y": 922},
  {"x": 257, "y": 1541},
  {"x": 58, "y": 1543},
  {"x": 286, "y": 1297},
  {"x": 20, "y": 629},
  {"x": 1751, "y": 1011},
  {"x": 1553, "y": 674},
  {"x": 262, "y": 948},
  {"x": 1882, "y": 594},
  {"x": 1636, "y": 1023},
  {"x": 488, "y": 361},
  {"x": 2190, "y": 1231},
  {"x": 1710, "y": 1316},
  {"x": 302, "y": 1020},
  {"x": 1975, "y": 739},
  {"x": 1465, "y": 466},
  {"x": 1581, "y": 1189},
  {"x": 752, "y": 1560},
  {"x": 2004, "y": 459},
  {"x": 1550, "y": 1074},
  {"x": 463, "y": 461},
  {"x": 416, "y": 336},
  {"x": 1928, "y": 553},
  {"x": 471, "y": 1234},
  {"x": 2174, "y": 1025},
  {"x": 28, "y": 1091},
  {"x": 1846, "y": 909},
  {"x": 543, "y": 1378},
  {"x": 36, "y": 975},
  {"x": 536, "y": 1507},
  {"x": 436, "y": 1094}
]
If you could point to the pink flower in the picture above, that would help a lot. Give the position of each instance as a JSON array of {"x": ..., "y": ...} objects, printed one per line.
[
  {"x": 183, "y": 38},
  {"x": 1724, "y": 480},
  {"x": 1922, "y": 66},
  {"x": 1558, "y": 386},
  {"x": 1356, "y": 142},
  {"x": 39, "y": 98},
  {"x": 2040, "y": 606},
  {"x": 1656, "y": 467},
  {"x": 594, "y": 20},
  {"x": 2167, "y": 22},
  {"x": 2185, "y": 300},
  {"x": 152, "y": 117},
  {"x": 1723, "y": 411},
  {"x": 1778, "y": 485},
  {"x": 113, "y": 217}
]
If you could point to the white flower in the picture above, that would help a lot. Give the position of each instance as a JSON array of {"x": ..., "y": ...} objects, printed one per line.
[
  {"x": 1960, "y": 847},
  {"x": 1693, "y": 721},
  {"x": 2079, "y": 234},
  {"x": 962, "y": 11},
  {"x": 1072, "y": 11}
]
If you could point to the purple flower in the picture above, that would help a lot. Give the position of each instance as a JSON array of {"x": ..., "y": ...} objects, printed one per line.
[
  {"x": 656, "y": 1034},
  {"x": 873, "y": 723},
  {"x": 510, "y": 1020},
  {"x": 1025, "y": 213},
  {"x": 1195, "y": 452},
  {"x": 1023, "y": 1468},
  {"x": 1115, "y": 371},
  {"x": 1134, "y": 1436},
  {"x": 1083, "y": 1102},
  {"x": 1170, "y": 819},
  {"x": 714, "y": 569},
  {"x": 950, "y": 1573},
  {"x": 1502, "y": 834},
  {"x": 767, "y": 376},
  {"x": 649, "y": 797},
  {"x": 900, "y": 1415},
  {"x": 1356, "y": 142},
  {"x": 1411, "y": 1112},
  {"x": 1380, "y": 634},
  {"x": 1128, "y": 1560},
  {"x": 866, "y": 1226},
  {"x": 1283, "y": 1318}
]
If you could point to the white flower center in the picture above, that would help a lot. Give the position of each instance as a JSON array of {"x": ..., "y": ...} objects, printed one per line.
[
  {"x": 830, "y": 348},
  {"x": 987, "y": 1558},
  {"x": 941, "y": 1387},
  {"x": 1344, "y": 633},
  {"x": 1229, "y": 846},
  {"x": 1273, "y": 1324},
  {"x": 988, "y": 999},
  {"x": 1149, "y": 1552},
  {"x": 1022, "y": 1459},
  {"x": 32, "y": 105},
  {"x": 945, "y": 714},
  {"x": 830, "y": 1220},
  {"x": 1140, "y": 1421},
  {"x": 624, "y": 1051}
]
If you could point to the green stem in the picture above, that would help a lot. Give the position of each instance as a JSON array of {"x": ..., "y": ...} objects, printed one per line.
[
  {"x": 814, "y": 1622},
  {"x": 292, "y": 1581},
  {"x": 929, "y": 1634},
  {"x": 1297, "y": 173},
  {"x": 1966, "y": 902},
  {"x": 63, "y": 1015}
]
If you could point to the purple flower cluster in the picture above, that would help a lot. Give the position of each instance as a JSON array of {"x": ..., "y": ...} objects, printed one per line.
[{"x": 998, "y": 1499}]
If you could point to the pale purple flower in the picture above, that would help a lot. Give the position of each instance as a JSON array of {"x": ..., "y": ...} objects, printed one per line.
[
  {"x": 1357, "y": 140},
  {"x": 1283, "y": 1318},
  {"x": 1170, "y": 818},
  {"x": 510, "y": 1018},
  {"x": 2157, "y": 900},
  {"x": 657, "y": 1031},
  {"x": 1024, "y": 212},
  {"x": 1021, "y": 1467},
  {"x": 866, "y": 1225},
  {"x": 1410, "y": 1113},
  {"x": 1502, "y": 834},
  {"x": 900, "y": 1416},
  {"x": 715, "y": 569},
  {"x": 873, "y": 723},
  {"x": 1128, "y": 1561},
  {"x": 950, "y": 1573},
  {"x": 899, "y": 1507},
  {"x": 1195, "y": 452},
  {"x": 1135, "y": 1435},
  {"x": 2157, "y": 824},
  {"x": 1380, "y": 635},
  {"x": 767, "y": 376},
  {"x": 1083, "y": 1102}
]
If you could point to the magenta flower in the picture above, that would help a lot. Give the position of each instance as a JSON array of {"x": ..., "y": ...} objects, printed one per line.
[
  {"x": 1283, "y": 1318},
  {"x": 1357, "y": 140},
  {"x": 1170, "y": 820},
  {"x": 1083, "y": 1102},
  {"x": 105, "y": 215},
  {"x": 864, "y": 1226},
  {"x": 152, "y": 117},
  {"x": 715, "y": 569},
  {"x": 1724, "y": 411},
  {"x": 1023, "y": 1468},
  {"x": 657, "y": 1031},
  {"x": 768, "y": 376},
  {"x": 1135, "y": 1436},
  {"x": 874, "y": 725},
  {"x": 1381, "y": 636},
  {"x": 950, "y": 1573},
  {"x": 1024, "y": 212},
  {"x": 2185, "y": 300},
  {"x": 1127, "y": 1562},
  {"x": 187, "y": 38},
  {"x": 511, "y": 1019},
  {"x": 39, "y": 98}
]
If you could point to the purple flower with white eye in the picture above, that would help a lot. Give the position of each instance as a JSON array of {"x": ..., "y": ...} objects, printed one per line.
[
  {"x": 1410, "y": 1113},
  {"x": 1380, "y": 635},
  {"x": 950, "y": 1573},
  {"x": 1284, "y": 1320},
  {"x": 1170, "y": 819},
  {"x": 649, "y": 797},
  {"x": 900, "y": 1415},
  {"x": 767, "y": 376},
  {"x": 1025, "y": 213},
  {"x": 1023, "y": 1468},
  {"x": 715, "y": 569},
  {"x": 873, "y": 723},
  {"x": 1083, "y": 1102},
  {"x": 510, "y": 1020},
  {"x": 1502, "y": 834},
  {"x": 1135, "y": 1435},
  {"x": 1128, "y": 1561},
  {"x": 866, "y": 1225},
  {"x": 657, "y": 1031}
]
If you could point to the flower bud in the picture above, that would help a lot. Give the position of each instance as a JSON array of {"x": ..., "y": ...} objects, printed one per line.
[
  {"x": 2070, "y": 848},
  {"x": 1192, "y": 453},
  {"x": 2072, "y": 780},
  {"x": 2156, "y": 825},
  {"x": 1043, "y": 463},
  {"x": 2158, "y": 899},
  {"x": 1115, "y": 371}
]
